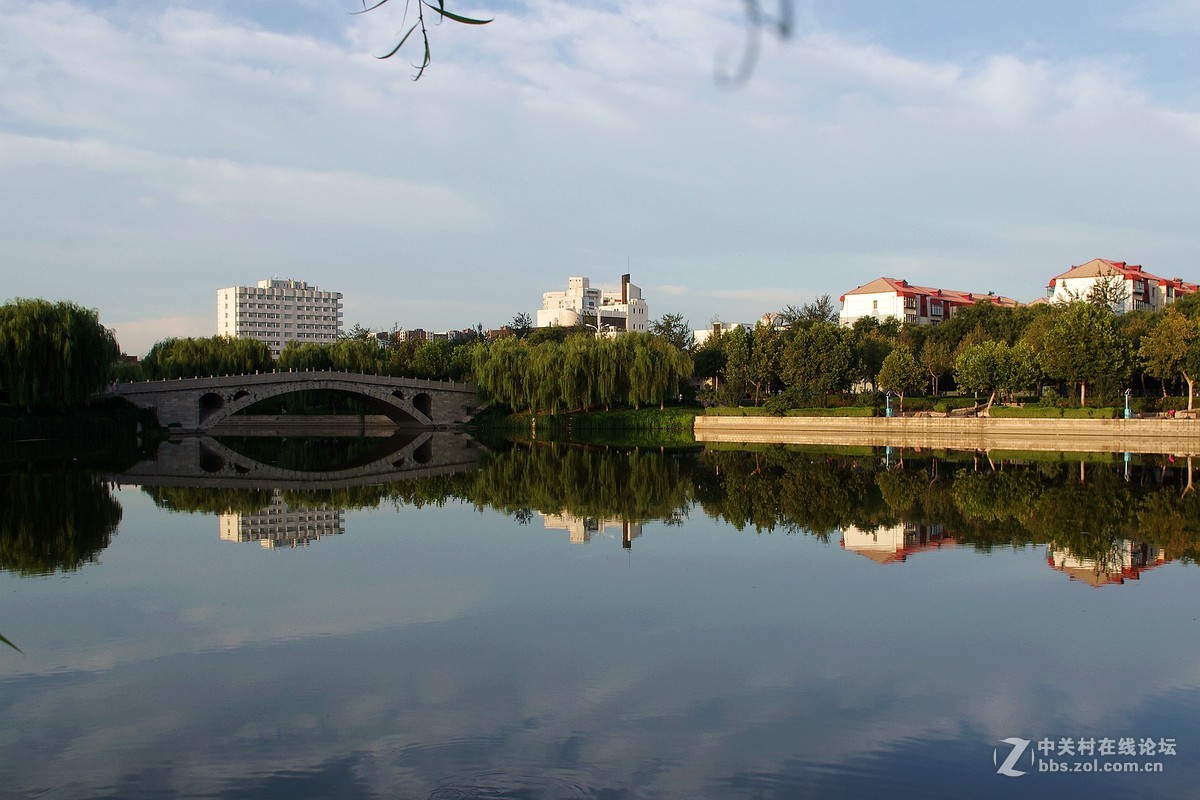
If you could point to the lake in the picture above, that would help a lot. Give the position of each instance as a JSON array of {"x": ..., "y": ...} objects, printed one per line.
[{"x": 426, "y": 617}]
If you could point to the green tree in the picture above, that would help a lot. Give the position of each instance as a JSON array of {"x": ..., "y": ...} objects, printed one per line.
[
  {"x": 1172, "y": 349},
  {"x": 674, "y": 329},
  {"x": 982, "y": 367},
  {"x": 901, "y": 374},
  {"x": 198, "y": 357},
  {"x": 355, "y": 355},
  {"x": 1083, "y": 346},
  {"x": 818, "y": 361},
  {"x": 521, "y": 325},
  {"x": 822, "y": 309},
  {"x": 737, "y": 366},
  {"x": 766, "y": 350},
  {"x": 937, "y": 358},
  {"x": 1023, "y": 371},
  {"x": 305, "y": 356},
  {"x": 53, "y": 355}
]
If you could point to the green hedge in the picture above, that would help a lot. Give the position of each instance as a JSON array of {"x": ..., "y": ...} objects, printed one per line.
[
  {"x": 738, "y": 411},
  {"x": 751, "y": 411},
  {"x": 1051, "y": 412},
  {"x": 847, "y": 411},
  {"x": 948, "y": 404}
]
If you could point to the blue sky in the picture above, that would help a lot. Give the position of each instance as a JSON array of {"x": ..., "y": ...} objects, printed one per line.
[{"x": 153, "y": 153}]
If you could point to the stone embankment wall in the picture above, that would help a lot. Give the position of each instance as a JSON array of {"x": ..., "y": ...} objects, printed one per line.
[{"x": 1175, "y": 436}]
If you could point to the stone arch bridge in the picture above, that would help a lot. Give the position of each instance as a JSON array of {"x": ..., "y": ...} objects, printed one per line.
[{"x": 197, "y": 405}]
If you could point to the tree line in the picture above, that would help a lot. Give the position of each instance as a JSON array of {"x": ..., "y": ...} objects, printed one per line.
[
  {"x": 1075, "y": 352},
  {"x": 56, "y": 355},
  {"x": 58, "y": 520},
  {"x": 1087, "y": 508}
]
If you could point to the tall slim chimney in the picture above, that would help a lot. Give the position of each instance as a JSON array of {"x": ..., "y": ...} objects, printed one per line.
[{"x": 625, "y": 288}]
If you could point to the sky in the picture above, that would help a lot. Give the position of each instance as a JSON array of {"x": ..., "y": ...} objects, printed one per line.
[{"x": 152, "y": 153}]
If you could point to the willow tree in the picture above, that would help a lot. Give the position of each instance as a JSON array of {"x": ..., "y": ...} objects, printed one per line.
[
  {"x": 53, "y": 356},
  {"x": 202, "y": 357}
]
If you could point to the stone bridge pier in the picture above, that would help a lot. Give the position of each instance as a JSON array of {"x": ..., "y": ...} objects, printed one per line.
[{"x": 197, "y": 405}]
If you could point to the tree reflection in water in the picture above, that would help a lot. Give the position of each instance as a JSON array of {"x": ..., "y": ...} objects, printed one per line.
[
  {"x": 1089, "y": 508},
  {"x": 1098, "y": 511},
  {"x": 54, "y": 521}
]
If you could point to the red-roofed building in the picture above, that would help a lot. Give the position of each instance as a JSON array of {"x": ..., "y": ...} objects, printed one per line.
[
  {"x": 889, "y": 545},
  {"x": 912, "y": 305},
  {"x": 1126, "y": 561},
  {"x": 1131, "y": 287}
]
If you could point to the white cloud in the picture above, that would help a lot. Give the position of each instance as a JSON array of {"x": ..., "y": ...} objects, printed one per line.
[{"x": 564, "y": 139}]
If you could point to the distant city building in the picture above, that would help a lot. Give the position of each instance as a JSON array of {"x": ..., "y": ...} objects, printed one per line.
[
  {"x": 715, "y": 329},
  {"x": 279, "y": 525},
  {"x": 412, "y": 335},
  {"x": 912, "y": 305},
  {"x": 581, "y": 304},
  {"x": 1130, "y": 287},
  {"x": 279, "y": 311}
]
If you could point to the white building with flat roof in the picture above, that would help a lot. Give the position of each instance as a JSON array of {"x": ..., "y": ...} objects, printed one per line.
[
  {"x": 583, "y": 304},
  {"x": 282, "y": 526},
  {"x": 278, "y": 311}
]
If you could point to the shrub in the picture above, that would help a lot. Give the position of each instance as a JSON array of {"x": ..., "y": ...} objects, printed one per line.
[
  {"x": 845, "y": 411},
  {"x": 948, "y": 404}
]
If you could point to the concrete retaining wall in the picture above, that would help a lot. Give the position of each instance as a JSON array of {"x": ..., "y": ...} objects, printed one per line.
[{"x": 1175, "y": 436}]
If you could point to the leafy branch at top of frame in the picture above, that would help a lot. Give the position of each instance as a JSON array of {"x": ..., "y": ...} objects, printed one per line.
[
  {"x": 439, "y": 7},
  {"x": 780, "y": 24}
]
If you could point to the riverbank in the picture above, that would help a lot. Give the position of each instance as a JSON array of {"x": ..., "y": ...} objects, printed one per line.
[
  {"x": 1171, "y": 436},
  {"x": 646, "y": 427}
]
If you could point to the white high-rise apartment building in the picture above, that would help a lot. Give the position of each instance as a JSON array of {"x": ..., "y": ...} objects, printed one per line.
[{"x": 279, "y": 311}]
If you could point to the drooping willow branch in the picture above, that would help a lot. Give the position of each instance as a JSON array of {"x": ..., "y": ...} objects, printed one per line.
[
  {"x": 756, "y": 22},
  {"x": 439, "y": 7}
]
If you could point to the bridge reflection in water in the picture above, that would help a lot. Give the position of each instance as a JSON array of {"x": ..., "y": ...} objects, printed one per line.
[{"x": 207, "y": 462}]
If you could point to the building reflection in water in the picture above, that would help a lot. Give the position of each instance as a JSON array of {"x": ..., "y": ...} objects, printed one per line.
[
  {"x": 280, "y": 525},
  {"x": 582, "y": 529},
  {"x": 1125, "y": 560},
  {"x": 887, "y": 545}
]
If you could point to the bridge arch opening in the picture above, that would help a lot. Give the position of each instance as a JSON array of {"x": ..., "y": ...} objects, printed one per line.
[
  {"x": 325, "y": 401},
  {"x": 211, "y": 462},
  {"x": 424, "y": 404},
  {"x": 210, "y": 404},
  {"x": 240, "y": 394}
]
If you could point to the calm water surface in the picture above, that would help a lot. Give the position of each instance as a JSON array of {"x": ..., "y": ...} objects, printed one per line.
[{"x": 563, "y": 622}]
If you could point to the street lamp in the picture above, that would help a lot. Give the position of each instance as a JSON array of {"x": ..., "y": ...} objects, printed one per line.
[{"x": 599, "y": 327}]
